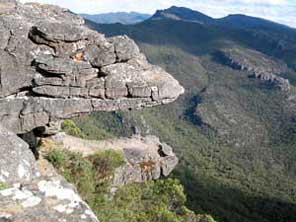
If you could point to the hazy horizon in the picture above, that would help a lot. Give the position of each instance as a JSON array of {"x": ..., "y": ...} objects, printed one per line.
[{"x": 280, "y": 11}]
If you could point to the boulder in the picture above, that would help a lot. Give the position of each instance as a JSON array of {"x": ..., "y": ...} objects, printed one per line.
[
  {"x": 146, "y": 157},
  {"x": 17, "y": 162},
  {"x": 48, "y": 198},
  {"x": 33, "y": 191}
]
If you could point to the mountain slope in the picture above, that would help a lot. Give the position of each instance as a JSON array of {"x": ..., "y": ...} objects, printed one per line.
[
  {"x": 181, "y": 13},
  {"x": 271, "y": 38},
  {"x": 234, "y": 133},
  {"x": 117, "y": 17}
]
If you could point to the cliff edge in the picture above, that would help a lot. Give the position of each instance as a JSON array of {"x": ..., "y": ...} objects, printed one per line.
[{"x": 52, "y": 68}]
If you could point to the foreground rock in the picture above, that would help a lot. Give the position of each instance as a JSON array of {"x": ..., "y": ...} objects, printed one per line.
[
  {"x": 146, "y": 157},
  {"x": 53, "y": 67},
  {"x": 33, "y": 191},
  {"x": 17, "y": 162}
]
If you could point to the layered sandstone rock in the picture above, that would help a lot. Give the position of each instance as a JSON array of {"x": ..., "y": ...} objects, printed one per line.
[
  {"x": 52, "y": 67},
  {"x": 146, "y": 157}
]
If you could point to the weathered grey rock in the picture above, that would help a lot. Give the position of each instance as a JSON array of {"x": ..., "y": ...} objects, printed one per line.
[
  {"x": 46, "y": 198},
  {"x": 150, "y": 161},
  {"x": 53, "y": 67},
  {"x": 7, "y": 5},
  {"x": 101, "y": 55},
  {"x": 125, "y": 48},
  {"x": 34, "y": 191},
  {"x": 146, "y": 157},
  {"x": 17, "y": 162}
]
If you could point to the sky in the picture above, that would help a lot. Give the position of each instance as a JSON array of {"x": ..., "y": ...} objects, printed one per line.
[{"x": 281, "y": 11}]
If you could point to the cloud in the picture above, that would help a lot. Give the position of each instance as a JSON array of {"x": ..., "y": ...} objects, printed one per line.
[{"x": 282, "y": 11}]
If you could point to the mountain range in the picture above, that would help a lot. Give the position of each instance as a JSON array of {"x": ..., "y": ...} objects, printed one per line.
[
  {"x": 117, "y": 17},
  {"x": 234, "y": 129}
]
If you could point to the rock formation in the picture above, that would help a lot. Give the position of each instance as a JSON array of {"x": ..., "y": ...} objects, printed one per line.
[
  {"x": 35, "y": 192},
  {"x": 259, "y": 65},
  {"x": 146, "y": 157},
  {"x": 52, "y": 67}
]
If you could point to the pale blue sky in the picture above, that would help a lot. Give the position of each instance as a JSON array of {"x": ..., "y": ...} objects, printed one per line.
[{"x": 282, "y": 11}]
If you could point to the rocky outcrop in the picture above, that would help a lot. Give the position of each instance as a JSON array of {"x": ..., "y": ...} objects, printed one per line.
[
  {"x": 146, "y": 157},
  {"x": 259, "y": 65},
  {"x": 52, "y": 67},
  {"x": 17, "y": 162},
  {"x": 33, "y": 190},
  {"x": 44, "y": 199}
]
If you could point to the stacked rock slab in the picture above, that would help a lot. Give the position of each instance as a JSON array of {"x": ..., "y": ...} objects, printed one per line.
[
  {"x": 146, "y": 157},
  {"x": 52, "y": 67}
]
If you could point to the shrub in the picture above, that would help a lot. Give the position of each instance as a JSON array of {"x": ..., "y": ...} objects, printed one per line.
[
  {"x": 70, "y": 127},
  {"x": 90, "y": 175},
  {"x": 3, "y": 186},
  {"x": 153, "y": 201}
]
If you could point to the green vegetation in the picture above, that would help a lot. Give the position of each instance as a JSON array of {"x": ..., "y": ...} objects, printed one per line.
[
  {"x": 230, "y": 184},
  {"x": 3, "y": 186},
  {"x": 234, "y": 135},
  {"x": 87, "y": 174},
  {"x": 86, "y": 129},
  {"x": 104, "y": 128},
  {"x": 70, "y": 128},
  {"x": 152, "y": 201}
]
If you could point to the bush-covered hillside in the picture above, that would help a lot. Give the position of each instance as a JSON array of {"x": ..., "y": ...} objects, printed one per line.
[
  {"x": 152, "y": 201},
  {"x": 234, "y": 135}
]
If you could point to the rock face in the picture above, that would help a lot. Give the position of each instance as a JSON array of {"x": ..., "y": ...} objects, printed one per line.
[
  {"x": 258, "y": 64},
  {"x": 7, "y": 5},
  {"x": 146, "y": 164},
  {"x": 30, "y": 193},
  {"x": 146, "y": 157},
  {"x": 52, "y": 67},
  {"x": 17, "y": 162}
]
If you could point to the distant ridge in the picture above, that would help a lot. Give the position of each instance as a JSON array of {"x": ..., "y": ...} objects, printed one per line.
[
  {"x": 182, "y": 13},
  {"x": 235, "y": 125},
  {"x": 117, "y": 17},
  {"x": 234, "y": 20}
]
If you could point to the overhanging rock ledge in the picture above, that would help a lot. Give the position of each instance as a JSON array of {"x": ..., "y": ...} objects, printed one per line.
[{"x": 53, "y": 67}]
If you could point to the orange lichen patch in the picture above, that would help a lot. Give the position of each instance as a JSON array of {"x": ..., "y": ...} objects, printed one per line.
[
  {"x": 79, "y": 57},
  {"x": 148, "y": 166},
  {"x": 44, "y": 167},
  {"x": 47, "y": 145}
]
